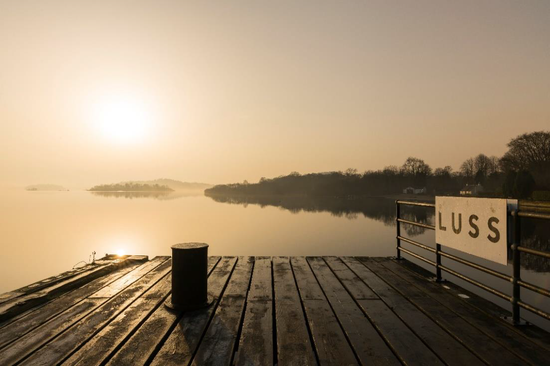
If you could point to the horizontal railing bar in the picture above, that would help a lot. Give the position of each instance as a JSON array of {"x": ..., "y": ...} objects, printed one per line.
[
  {"x": 476, "y": 266},
  {"x": 534, "y": 209},
  {"x": 476, "y": 283},
  {"x": 412, "y": 203},
  {"x": 420, "y": 245},
  {"x": 417, "y": 256},
  {"x": 534, "y": 288},
  {"x": 534, "y": 215},
  {"x": 425, "y": 226},
  {"x": 534, "y": 252},
  {"x": 534, "y": 310},
  {"x": 528, "y": 205}
]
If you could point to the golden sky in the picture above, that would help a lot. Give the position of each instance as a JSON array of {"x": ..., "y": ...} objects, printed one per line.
[{"x": 103, "y": 91}]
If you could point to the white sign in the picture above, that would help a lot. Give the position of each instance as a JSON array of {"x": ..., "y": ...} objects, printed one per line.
[{"x": 476, "y": 226}]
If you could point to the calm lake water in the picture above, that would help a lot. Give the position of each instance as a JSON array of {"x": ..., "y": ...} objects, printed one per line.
[{"x": 45, "y": 233}]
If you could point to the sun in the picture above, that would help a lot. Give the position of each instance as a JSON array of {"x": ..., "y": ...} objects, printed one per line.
[
  {"x": 120, "y": 252},
  {"x": 122, "y": 118}
]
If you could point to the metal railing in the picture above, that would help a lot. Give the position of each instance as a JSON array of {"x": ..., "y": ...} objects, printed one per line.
[{"x": 536, "y": 211}]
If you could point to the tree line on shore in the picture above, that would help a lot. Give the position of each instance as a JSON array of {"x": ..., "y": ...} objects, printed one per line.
[{"x": 522, "y": 172}]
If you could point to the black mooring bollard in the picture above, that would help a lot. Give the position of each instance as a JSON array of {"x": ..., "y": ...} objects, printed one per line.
[{"x": 189, "y": 277}]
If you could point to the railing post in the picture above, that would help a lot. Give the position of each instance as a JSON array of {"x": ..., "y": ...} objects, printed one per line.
[
  {"x": 438, "y": 262},
  {"x": 398, "y": 225},
  {"x": 516, "y": 270}
]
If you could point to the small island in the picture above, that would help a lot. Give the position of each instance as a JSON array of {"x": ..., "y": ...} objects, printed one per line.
[
  {"x": 131, "y": 187},
  {"x": 45, "y": 187}
]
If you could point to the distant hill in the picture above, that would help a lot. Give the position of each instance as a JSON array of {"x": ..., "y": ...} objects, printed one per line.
[
  {"x": 176, "y": 185},
  {"x": 45, "y": 187}
]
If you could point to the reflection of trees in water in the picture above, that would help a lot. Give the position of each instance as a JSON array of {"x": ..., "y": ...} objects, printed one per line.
[
  {"x": 412, "y": 230},
  {"x": 380, "y": 209},
  {"x": 422, "y": 215},
  {"x": 161, "y": 195},
  {"x": 535, "y": 234}
]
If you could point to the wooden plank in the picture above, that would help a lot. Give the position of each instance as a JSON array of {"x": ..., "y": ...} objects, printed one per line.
[
  {"x": 260, "y": 288},
  {"x": 446, "y": 347},
  {"x": 48, "y": 331},
  {"x": 140, "y": 258},
  {"x": 176, "y": 327},
  {"x": 219, "y": 341},
  {"x": 493, "y": 328},
  {"x": 256, "y": 343},
  {"x": 331, "y": 345},
  {"x": 31, "y": 341},
  {"x": 105, "y": 343},
  {"x": 351, "y": 282},
  {"x": 532, "y": 334},
  {"x": 17, "y": 305},
  {"x": 68, "y": 342},
  {"x": 307, "y": 284},
  {"x": 131, "y": 261},
  {"x": 477, "y": 342},
  {"x": 113, "y": 288},
  {"x": 369, "y": 346},
  {"x": 53, "y": 280},
  {"x": 293, "y": 339},
  {"x": 36, "y": 317},
  {"x": 36, "y": 286},
  {"x": 68, "y": 275}
]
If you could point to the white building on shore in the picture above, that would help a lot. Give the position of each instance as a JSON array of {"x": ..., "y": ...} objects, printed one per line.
[
  {"x": 471, "y": 190},
  {"x": 411, "y": 190}
]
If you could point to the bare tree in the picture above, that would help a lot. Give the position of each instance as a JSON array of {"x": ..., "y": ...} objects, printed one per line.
[
  {"x": 482, "y": 165},
  {"x": 350, "y": 172},
  {"x": 530, "y": 152},
  {"x": 440, "y": 172},
  {"x": 391, "y": 170},
  {"x": 468, "y": 168},
  {"x": 417, "y": 171},
  {"x": 415, "y": 167},
  {"x": 494, "y": 166}
]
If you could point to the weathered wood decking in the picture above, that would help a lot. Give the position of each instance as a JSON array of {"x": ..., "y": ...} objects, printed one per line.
[{"x": 266, "y": 311}]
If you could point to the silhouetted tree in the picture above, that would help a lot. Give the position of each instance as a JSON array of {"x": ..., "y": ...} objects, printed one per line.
[
  {"x": 443, "y": 180},
  {"x": 518, "y": 184},
  {"x": 508, "y": 185},
  {"x": 523, "y": 184},
  {"x": 415, "y": 166},
  {"x": 482, "y": 167},
  {"x": 417, "y": 170},
  {"x": 468, "y": 169},
  {"x": 530, "y": 152}
]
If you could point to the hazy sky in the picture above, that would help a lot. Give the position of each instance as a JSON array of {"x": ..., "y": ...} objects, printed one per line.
[{"x": 103, "y": 91}]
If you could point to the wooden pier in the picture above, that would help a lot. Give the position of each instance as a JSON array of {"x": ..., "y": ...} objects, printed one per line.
[{"x": 266, "y": 311}]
